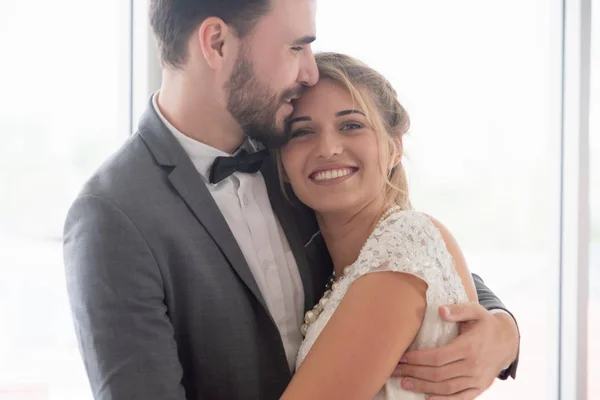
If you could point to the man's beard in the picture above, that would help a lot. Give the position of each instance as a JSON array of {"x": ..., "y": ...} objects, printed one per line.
[{"x": 254, "y": 105}]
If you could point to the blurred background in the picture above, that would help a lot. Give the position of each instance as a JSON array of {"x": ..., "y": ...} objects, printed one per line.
[{"x": 504, "y": 99}]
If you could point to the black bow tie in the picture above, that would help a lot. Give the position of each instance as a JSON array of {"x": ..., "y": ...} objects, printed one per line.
[{"x": 244, "y": 162}]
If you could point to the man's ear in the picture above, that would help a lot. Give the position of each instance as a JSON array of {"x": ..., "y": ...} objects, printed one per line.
[{"x": 215, "y": 38}]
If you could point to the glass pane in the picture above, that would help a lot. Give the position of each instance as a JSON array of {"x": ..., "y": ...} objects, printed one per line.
[
  {"x": 481, "y": 81},
  {"x": 63, "y": 109},
  {"x": 594, "y": 295}
]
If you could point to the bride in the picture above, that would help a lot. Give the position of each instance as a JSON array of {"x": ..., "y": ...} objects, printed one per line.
[{"x": 394, "y": 266}]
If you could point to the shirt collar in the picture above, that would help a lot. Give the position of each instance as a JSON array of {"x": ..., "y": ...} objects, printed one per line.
[{"x": 202, "y": 155}]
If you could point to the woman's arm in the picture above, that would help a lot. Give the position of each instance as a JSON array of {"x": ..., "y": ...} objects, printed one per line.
[
  {"x": 374, "y": 324},
  {"x": 357, "y": 351}
]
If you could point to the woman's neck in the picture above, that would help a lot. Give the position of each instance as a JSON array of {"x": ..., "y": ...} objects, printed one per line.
[{"x": 345, "y": 233}]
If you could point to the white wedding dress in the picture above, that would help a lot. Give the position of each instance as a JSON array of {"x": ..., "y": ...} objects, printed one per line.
[{"x": 404, "y": 241}]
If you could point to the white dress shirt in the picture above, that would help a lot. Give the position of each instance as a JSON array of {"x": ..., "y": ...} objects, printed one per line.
[{"x": 244, "y": 202}]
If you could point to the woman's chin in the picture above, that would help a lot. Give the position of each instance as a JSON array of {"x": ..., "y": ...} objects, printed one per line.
[
  {"x": 334, "y": 206},
  {"x": 330, "y": 200}
]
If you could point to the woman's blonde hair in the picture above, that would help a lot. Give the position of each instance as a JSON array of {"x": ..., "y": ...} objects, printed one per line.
[{"x": 378, "y": 99}]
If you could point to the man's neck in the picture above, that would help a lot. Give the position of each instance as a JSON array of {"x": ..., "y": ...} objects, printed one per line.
[{"x": 198, "y": 114}]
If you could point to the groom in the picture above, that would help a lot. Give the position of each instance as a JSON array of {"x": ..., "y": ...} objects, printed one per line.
[{"x": 188, "y": 272}]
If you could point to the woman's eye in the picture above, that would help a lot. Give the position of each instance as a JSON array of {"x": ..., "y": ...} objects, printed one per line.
[
  {"x": 297, "y": 48},
  {"x": 351, "y": 125},
  {"x": 298, "y": 133}
]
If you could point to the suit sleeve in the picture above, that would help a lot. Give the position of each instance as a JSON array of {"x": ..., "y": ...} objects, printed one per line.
[
  {"x": 117, "y": 300},
  {"x": 490, "y": 301}
]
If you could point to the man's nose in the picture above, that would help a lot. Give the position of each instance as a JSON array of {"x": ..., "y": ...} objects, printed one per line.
[{"x": 309, "y": 73}]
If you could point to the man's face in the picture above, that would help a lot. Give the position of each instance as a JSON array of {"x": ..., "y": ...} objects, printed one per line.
[{"x": 275, "y": 62}]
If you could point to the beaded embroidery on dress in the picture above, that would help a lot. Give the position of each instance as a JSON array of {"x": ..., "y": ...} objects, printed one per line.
[{"x": 405, "y": 241}]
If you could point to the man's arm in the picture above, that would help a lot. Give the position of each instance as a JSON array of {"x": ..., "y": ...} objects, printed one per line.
[
  {"x": 487, "y": 298},
  {"x": 117, "y": 301},
  {"x": 492, "y": 303}
]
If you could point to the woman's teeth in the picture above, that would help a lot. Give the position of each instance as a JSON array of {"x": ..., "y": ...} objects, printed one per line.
[{"x": 332, "y": 174}]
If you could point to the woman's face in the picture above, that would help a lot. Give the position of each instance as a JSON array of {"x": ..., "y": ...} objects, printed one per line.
[{"x": 332, "y": 160}]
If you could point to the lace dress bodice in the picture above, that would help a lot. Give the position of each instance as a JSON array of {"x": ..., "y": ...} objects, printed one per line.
[{"x": 405, "y": 241}]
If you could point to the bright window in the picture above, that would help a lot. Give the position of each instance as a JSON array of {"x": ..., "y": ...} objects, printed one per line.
[
  {"x": 481, "y": 80},
  {"x": 594, "y": 294},
  {"x": 64, "y": 107}
]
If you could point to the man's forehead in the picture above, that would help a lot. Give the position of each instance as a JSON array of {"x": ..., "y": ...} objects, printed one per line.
[{"x": 298, "y": 17}]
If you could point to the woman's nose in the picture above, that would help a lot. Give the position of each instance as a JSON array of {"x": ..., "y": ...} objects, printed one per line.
[{"x": 329, "y": 145}]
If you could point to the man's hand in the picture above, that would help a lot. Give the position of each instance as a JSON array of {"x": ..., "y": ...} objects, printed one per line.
[{"x": 467, "y": 366}]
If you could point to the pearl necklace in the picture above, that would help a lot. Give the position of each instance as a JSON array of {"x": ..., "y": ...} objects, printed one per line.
[{"x": 332, "y": 284}]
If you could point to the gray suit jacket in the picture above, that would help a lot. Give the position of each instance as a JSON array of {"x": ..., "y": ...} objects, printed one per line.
[{"x": 164, "y": 304}]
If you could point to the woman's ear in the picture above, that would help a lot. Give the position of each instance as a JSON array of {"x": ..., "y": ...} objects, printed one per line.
[{"x": 396, "y": 155}]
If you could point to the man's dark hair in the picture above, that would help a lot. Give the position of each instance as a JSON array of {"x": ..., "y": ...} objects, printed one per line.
[{"x": 173, "y": 21}]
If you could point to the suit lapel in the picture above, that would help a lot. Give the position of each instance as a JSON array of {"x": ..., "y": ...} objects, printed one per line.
[
  {"x": 284, "y": 212},
  {"x": 188, "y": 183}
]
